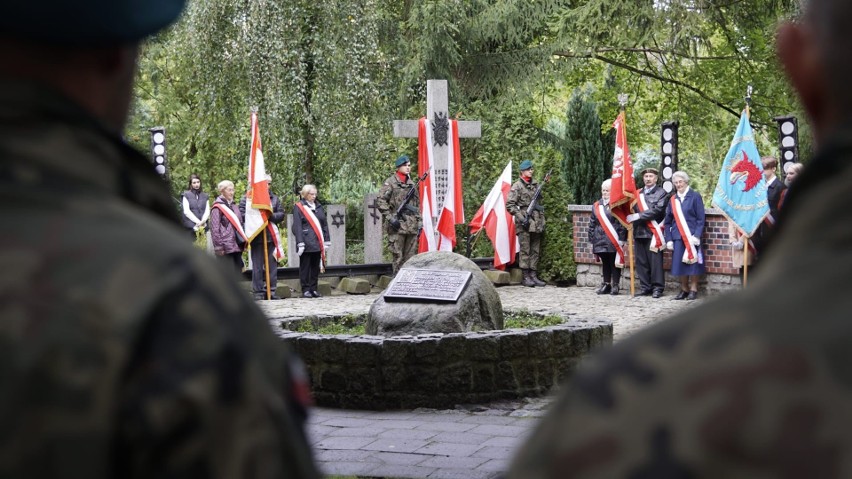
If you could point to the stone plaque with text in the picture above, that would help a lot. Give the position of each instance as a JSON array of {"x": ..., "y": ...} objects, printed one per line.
[{"x": 427, "y": 285}]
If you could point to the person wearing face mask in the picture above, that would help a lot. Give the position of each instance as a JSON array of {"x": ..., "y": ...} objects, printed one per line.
[
  {"x": 684, "y": 226},
  {"x": 607, "y": 237},
  {"x": 529, "y": 229},
  {"x": 195, "y": 205}
]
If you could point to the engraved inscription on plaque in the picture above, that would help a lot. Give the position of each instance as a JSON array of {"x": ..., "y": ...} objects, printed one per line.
[{"x": 427, "y": 285}]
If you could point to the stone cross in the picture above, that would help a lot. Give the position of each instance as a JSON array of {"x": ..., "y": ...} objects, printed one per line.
[
  {"x": 436, "y": 113},
  {"x": 373, "y": 230}
]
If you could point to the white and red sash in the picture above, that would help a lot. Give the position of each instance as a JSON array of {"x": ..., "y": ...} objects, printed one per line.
[
  {"x": 315, "y": 225},
  {"x": 233, "y": 219},
  {"x": 657, "y": 244},
  {"x": 600, "y": 214},
  {"x": 690, "y": 252}
]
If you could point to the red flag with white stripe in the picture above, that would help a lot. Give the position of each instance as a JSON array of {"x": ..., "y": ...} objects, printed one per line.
[
  {"x": 452, "y": 213},
  {"x": 498, "y": 223},
  {"x": 258, "y": 201},
  {"x": 622, "y": 195},
  {"x": 427, "y": 187}
]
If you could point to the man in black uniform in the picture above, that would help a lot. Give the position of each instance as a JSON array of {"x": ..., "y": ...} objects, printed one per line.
[{"x": 647, "y": 248}]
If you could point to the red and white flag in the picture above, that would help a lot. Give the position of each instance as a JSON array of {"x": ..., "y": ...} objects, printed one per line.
[
  {"x": 427, "y": 187},
  {"x": 258, "y": 202},
  {"x": 452, "y": 213},
  {"x": 498, "y": 223},
  {"x": 622, "y": 194}
]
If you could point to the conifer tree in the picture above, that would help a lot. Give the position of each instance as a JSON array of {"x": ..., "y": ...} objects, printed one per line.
[{"x": 584, "y": 163}]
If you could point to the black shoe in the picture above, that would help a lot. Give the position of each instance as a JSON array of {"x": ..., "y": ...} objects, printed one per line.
[
  {"x": 535, "y": 279},
  {"x": 681, "y": 295},
  {"x": 656, "y": 294},
  {"x": 614, "y": 290},
  {"x": 645, "y": 292},
  {"x": 604, "y": 289},
  {"x": 259, "y": 297},
  {"x": 316, "y": 294},
  {"x": 307, "y": 294},
  {"x": 692, "y": 295}
]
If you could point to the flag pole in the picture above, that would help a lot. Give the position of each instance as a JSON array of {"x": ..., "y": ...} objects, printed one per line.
[
  {"x": 622, "y": 101},
  {"x": 749, "y": 90}
]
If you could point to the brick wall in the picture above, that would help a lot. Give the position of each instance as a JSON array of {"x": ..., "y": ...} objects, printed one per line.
[{"x": 721, "y": 273}]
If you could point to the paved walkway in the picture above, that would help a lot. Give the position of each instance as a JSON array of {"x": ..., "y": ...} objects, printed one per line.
[{"x": 471, "y": 441}]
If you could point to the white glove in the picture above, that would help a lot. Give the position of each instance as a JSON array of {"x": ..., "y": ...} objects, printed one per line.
[
  {"x": 695, "y": 241},
  {"x": 670, "y": 246},
  {"x": 327, "y": 245},
  {"x": 300, "y": 248},
  {"x": 736, "y": 245},
  {"x": 632, "y": 217}
]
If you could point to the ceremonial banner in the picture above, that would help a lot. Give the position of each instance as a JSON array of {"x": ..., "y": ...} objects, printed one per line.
[
  {"x": 622, "y": 194},
  {"x": 741, "y": 190},
  {"x": 427, "y": 188},
  {"x": 452, "y": 213},
  {"x": 258, "y": 202},
  {"x": 498, "y": 223}
]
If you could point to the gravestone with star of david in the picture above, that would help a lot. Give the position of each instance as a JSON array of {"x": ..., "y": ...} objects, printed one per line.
[{"x": 437, "y": 114}]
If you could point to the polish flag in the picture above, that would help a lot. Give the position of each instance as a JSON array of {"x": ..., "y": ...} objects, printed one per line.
[
  {"x": 498, "y": 223},
  {"x": 427, "y": 187},
  {"x": 452, "y": 213},
  {"x": 258, "y": 202}
]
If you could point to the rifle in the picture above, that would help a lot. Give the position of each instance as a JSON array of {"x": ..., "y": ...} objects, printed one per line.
[
  {"x": 534, "y": 203},
  {"x": 403, "y": 207}
]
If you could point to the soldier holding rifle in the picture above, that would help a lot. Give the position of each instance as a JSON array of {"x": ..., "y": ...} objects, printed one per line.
[
  {"x": 400, "y": 205},
  {"x": 525, "y": 205}
]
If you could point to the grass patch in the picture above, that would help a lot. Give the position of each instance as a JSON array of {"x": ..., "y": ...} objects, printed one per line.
[{"x": 354, "y": 323}]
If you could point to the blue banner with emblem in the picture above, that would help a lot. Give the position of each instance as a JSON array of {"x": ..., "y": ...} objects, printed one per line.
[{"x": 741, "y": 190}]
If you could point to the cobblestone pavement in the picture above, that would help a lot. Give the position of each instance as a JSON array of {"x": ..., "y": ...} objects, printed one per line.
[{"x": 471, "y": 441}]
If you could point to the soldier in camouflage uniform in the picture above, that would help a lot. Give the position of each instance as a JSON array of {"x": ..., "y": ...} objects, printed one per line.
[
  {"x": 125, "y": 351},
  {"x": 755, "y": 384},
  {"x": 530, "y": 230},
  {"x": 402, "y": 230}
]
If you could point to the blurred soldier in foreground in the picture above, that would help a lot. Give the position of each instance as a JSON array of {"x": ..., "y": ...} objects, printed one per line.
[
  {"x": 752, "y": 384},
  {"x": 124, "y": 350},
  {"x": 402, "y": 225}
]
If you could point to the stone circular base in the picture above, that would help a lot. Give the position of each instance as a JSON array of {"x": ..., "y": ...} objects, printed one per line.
[{"x": 441, "y": 370}]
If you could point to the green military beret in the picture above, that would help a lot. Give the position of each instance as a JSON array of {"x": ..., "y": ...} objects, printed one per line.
[
  {"x": 402, "y": 160},
  {"x": 526, "y": 165},
  {"x": 87, "y": 22}
]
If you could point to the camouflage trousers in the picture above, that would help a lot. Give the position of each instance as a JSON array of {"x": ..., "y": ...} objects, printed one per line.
[
  {"x": 402, "y": 247},
  {"x": 530, "y": 250}
]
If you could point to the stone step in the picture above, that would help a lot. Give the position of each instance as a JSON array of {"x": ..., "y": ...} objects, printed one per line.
[
  {"x": 354, "y": 286},
  {"x": 498, "y": 278}
]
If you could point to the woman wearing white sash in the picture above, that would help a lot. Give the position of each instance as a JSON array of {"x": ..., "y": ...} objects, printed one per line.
[
  {"x": 310, "y": 228},
  {"x": 684, "y": 225},
  {"x": 607, "y": 236},
  {"x": 228, "y": 243}
]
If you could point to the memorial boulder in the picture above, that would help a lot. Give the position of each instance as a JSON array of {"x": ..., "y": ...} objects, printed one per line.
[{"x": 436, "y": 292}]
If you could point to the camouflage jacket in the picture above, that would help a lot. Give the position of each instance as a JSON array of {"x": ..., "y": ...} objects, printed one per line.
[
  {"x": 124, "y": 350},
  {"x": 520, "y": 197},
  {"x": 391, "y": 195},
  {"x": 755, "y": 384}
]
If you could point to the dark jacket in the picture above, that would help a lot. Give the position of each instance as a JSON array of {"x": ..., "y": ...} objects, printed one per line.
[
  {"x": 597, "y": 236},
  {"x": 198, "y": 203},
  {"x": 693, "y": 212},
  {"x": 656, "y": 201},
  {"x": 222, "y": 232},
  {"x": 764, "y": 231},
  {"x": 304, "y": 232},
  {"x": 277, "y": 214}
]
